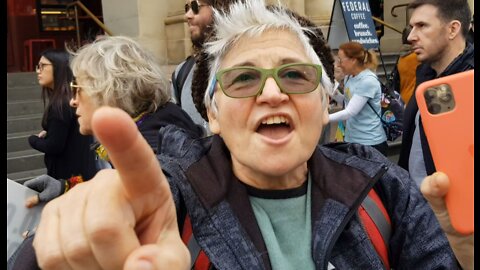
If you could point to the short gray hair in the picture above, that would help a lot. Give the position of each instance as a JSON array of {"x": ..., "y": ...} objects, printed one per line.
[
  {"x": 252, "y": 18},
  {"x": 117, "y": 71}
]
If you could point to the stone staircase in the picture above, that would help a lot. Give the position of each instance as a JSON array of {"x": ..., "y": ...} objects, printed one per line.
[{"x": 24, "y": 115}]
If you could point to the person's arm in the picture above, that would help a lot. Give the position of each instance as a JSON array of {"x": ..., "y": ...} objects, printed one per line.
[
  {"x": 57, "y": 136},
  {"x": 434, "y": 187},
  {"x": 353, "y": 108},
  {"x": 49, "y": 188},
  {"x": 123, "y": 218}
]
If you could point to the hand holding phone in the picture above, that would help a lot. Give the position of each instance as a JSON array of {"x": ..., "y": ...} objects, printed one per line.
[{"x": 446, "y": 109}]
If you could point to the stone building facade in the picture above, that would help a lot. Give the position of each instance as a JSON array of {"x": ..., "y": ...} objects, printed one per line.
[{"x": 160, "y": 25}]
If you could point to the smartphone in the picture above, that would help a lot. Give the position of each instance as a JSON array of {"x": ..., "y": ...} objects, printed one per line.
[{"x": 446, "y": 109}]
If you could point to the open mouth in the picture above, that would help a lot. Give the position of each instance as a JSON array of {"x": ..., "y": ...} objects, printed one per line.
[{"x": 275, "y": 127}]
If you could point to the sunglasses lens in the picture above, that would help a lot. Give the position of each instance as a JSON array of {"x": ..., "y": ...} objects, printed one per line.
[
  {"x": 299, "y": 79},
  {"x": 194, "y": 5},
  {"x": 241, "y": 82}
]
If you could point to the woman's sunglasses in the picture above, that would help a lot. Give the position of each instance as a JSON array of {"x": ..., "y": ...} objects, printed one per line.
[{"x": 195, "y": 6}]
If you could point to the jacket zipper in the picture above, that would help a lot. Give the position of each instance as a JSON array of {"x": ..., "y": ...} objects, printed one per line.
[{"x": 352, "y": 211}]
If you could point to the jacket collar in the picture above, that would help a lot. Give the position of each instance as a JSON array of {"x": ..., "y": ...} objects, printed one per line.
[
  {"x": 465, "y": 61},
  {"x": 340, "y": 182},
  {"x": 212, "y": 177}
]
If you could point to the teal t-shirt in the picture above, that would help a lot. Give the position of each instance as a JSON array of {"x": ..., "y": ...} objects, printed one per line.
[
  {"x": 284, "y": 218},
  {"x": 365, "y": 127}
]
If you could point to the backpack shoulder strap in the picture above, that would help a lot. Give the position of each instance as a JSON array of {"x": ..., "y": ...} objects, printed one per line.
[
  {"x": 199, "y": 260},
  {"x": 377, "y": 223},
  {"x": 182, "y": 74}
]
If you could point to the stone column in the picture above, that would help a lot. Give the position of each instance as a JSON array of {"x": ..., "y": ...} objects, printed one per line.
[
  {"x": 139, "y": 19},
  {"x": 320, "y": 13}
]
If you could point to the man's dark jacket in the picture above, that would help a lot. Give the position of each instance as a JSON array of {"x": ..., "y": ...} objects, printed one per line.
[{"x": 463, "y": 62}]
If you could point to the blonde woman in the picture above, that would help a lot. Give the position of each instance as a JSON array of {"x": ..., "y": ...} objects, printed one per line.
[{"x": 362, "y": 92}]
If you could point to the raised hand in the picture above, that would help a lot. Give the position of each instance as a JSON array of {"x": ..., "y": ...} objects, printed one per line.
[{"x": 121, "y": 219}]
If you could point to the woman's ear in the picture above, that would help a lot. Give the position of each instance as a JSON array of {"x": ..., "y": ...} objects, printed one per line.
[
  {"x": 325, "y": 118},
  {"x": 213, "y": 122}
]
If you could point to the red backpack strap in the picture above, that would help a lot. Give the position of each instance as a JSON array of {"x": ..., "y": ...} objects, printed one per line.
[
  {"x": 199, "y": 260},
  {"x": 377, "y": 223}
]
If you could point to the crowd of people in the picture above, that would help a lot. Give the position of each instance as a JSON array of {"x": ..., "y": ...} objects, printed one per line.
[{"x": 238, "y": 159}]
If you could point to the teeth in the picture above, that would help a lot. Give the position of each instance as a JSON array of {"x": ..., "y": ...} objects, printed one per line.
[{"x": 275, "y": 120}]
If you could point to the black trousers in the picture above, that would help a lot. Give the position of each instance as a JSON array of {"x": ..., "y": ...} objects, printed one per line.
[{"x": 382, "y": 147}]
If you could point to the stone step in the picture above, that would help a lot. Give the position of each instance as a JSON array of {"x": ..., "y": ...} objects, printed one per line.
[
  {"x": 24, "y": 123},
  {"x": 23, "y": 107},
  {"x": 20, "y": 79},
  {"x": 25, "y": 160},
  {"x": 23, "y": 176},
  {"x": 24, "y": 93},
  {"x": 394, "y": 148},
  {"x": 19, "y": 141}
]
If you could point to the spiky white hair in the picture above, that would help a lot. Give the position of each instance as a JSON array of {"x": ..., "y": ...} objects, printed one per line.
[{"x": 251, "y": 18}]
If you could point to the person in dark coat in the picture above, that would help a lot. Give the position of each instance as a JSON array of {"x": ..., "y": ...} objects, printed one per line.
[
  {"x": 438, "y": 37},
  {"x": 67, "y": 152},
  {"x": 442, "y": 51}
]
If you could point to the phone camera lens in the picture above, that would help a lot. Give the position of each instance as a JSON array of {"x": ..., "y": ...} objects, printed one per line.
[
  {"x": 445, "y": 97},
  {"x": 429, "y": 95},
  {"x": 434, "y": 108}
]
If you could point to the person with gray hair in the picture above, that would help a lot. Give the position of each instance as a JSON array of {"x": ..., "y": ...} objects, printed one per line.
[
  {"x": 118, "y": 72},
  {"x": 260, "y": 193}
]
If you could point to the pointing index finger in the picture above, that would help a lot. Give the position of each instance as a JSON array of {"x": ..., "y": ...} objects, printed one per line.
[{"x": 130, "y": 154}]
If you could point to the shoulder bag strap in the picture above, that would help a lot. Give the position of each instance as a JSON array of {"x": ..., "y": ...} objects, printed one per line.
[{"x": 179, "y": 81}]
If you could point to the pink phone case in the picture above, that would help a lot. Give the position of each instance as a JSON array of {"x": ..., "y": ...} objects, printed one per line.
[{"x": 450, "y": 137}]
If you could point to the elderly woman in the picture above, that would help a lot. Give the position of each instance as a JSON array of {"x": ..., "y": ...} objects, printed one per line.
[
  {"x": 260, "y": 193},
  {"x": 118, "y": 72}
]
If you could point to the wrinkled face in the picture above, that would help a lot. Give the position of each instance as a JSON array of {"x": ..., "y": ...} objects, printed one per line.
[
  {"x": 85, "y": 107},
  {"x": 429, "y": 35},
  {"x": 45, "y": 73},
  {"x": 270, "y": 136},
  {"x": 197, "y": 23}
]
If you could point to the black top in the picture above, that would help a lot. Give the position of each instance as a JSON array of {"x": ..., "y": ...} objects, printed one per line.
[
  {"x": 67, "y": 152},
  {"x": 168, "y": 114}
]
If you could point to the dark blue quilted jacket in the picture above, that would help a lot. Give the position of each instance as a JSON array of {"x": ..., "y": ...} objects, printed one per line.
[{"x": 224, "y": 225}]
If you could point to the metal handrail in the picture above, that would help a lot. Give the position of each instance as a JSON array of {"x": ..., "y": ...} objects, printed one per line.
[
  {"x": 398, "y": 6},
  {"x": 91, "y": 15},
  {"x": 386, "y": 24}
]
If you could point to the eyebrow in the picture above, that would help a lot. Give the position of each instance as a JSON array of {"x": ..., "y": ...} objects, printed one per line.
[{"x": 282, "y": 62}]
